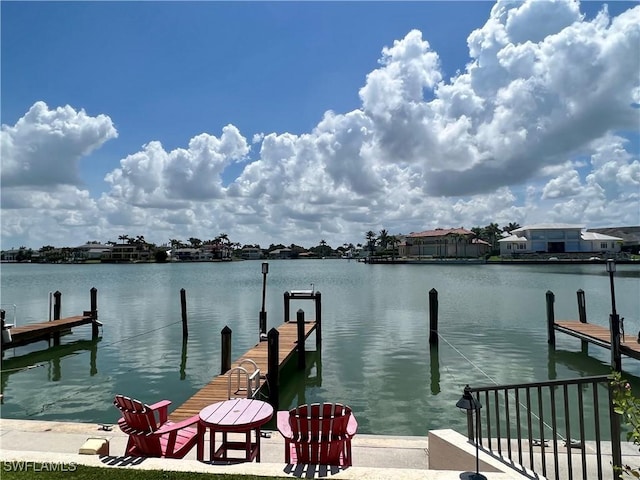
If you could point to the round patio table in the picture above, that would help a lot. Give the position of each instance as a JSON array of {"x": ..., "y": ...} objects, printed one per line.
[{"x": 238, "y": 415}]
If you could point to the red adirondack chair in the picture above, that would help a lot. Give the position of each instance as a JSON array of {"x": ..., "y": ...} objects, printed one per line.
[
  {"x": 150, "y": 432},
  {"x": 318, "y": 434}
]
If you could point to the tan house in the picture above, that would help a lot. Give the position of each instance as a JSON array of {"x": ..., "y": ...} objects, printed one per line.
[{"x": 443, "y": 243}]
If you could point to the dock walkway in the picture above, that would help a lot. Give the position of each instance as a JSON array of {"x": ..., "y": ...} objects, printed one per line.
[
  {"x": 34, "y": 332},
  {"x": 598, "y": 335},
  {"x": 217, "y": 389}
]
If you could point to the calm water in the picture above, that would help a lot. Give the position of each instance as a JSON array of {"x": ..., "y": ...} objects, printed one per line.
[{"x": 374, "y": 356}]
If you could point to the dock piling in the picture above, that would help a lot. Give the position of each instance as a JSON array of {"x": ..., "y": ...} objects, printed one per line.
[
  {"x": 318, "y": 305},
  {"x": 433, "y": 317},
  {"x": 301, "y": 345},
  {"x": 183, "y": 305},
  {"x": 57, "y": 308},
  {"x": 226, "y": 350},
  {"x": 551, "y": 333},
  {"x": 273, "y": 338},
  {"x": 582, "y": 315},
  {"x": 287, "y": 299}
]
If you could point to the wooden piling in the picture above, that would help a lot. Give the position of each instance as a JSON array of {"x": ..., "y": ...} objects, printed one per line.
[
  {"x": 57, "y": 305},
  {"x": 183, "y": 306},
  {"x": 57, "y": 308},
  {"x": 301, "y": 347},
  {"x": 93, "y": 293},
  {"x": 318, "y": 305},
  {"x": 225, "y": 363},
  {"x": 433, "y": 316},
  {"x": 551, "y": 333},
  {"x": 582, "y": 306},
  {"x": 582, "y": 315},
  {"x": 94, "y": 302},
  {"x": 273, "y": 362},
  {"x": 287, "y": 299}
]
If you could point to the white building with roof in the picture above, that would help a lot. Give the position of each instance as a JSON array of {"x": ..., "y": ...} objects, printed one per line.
[{"x": 557, "y": 238}]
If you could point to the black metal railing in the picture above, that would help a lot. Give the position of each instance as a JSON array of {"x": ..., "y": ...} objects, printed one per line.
[{"x": 528, "y": 425}]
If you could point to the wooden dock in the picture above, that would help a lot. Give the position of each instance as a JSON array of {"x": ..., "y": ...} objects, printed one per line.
[
  {"x": 597, "y": 335},
  {"x": 217, "y": 389},
  {"x": 34, "y": 332},
  {"x": 14, "y": 336}
]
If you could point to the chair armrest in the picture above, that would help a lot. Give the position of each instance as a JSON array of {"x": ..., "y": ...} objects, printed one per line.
[
  {"x": 162, "y": 409},
  {"x": 352, "y": 426},
  {"x": 160, "y": 404},
  {"x": 169, "y": 427},
  {"x": 282, "y": 421}
]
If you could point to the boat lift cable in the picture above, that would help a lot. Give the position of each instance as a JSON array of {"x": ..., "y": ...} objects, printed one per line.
[{"x": 496, "y": 383}]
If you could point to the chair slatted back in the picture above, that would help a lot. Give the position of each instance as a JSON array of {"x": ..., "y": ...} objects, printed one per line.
[
  {"x": 319, "y": 432},
  {"x": 139, "y": 422}
]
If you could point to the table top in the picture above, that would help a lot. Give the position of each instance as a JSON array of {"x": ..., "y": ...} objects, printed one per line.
[{"x": 237, "y": 413}]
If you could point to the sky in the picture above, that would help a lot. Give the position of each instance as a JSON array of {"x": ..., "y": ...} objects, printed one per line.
[{"x": 296, "y": 122}]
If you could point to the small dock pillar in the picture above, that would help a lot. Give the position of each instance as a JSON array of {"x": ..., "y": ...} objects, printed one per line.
[
  {"x": 318, "y": 302},
  {"x": 93, "y": 293},
  {"x": 301, "y": 347},
  {"x": 551, "y": 320},
  {"x": 287, "y": 299},
  {"x": 582, "y": 315},
  {"x": 183, "y": 308},
  {"x": 433, "y": 317},
  {"x": 225, "y": 362},
  {"x": 57, "y": 309},
  {"x": 273, "y": 339}
]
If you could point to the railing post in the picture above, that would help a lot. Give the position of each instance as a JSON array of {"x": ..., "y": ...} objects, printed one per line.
[
  {"x": 551, "y": 320},
  {"x": 301, "y": 346},
  {"x": 433, "y": 316},
  {"x": 287, "y": 299},
  {"x": 274, "y": 364},
  {"x": 183, "y": 308},
  {"x": 225, "y": 364},
  {"x": 318, "y": 302}
]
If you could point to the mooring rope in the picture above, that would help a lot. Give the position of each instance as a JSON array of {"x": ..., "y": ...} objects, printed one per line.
[{"x": 473, "y": 364}]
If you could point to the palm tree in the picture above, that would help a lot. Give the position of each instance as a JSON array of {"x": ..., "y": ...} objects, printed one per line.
[
  {"x": 383, "y": 239},
  {"x": 492, "y": 231},
  {"x": 393, "y": 241},
  {"x": 512, "y": 226},
  {"x": 371, "y": 240},
  {"x": 123, "y": 238},
  {"x": 195, "y": 242},
  {"x": 323, "y": 245}
]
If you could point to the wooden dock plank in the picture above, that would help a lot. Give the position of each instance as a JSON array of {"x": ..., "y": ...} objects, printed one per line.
[
  {"x": 597, "y": 334},
  {"x": 36, "y": 331},
  {"x": 217, "y": 389}
]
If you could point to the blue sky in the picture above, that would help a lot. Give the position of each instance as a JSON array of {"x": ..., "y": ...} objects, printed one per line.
[{"x": 430, "y": 134}]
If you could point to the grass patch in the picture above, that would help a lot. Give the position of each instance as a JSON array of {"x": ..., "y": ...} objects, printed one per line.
[{"x": 47, "y": 471}]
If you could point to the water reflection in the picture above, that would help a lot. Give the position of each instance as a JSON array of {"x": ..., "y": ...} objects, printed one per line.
[
  {"x": 294, "y": 383},
  {"x": 434, "y": 360},
  {"x": 51, "y": 360}
]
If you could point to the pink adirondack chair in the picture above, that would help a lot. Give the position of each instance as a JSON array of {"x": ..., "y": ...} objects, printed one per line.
[
  {"x": 318, "y": 434},
  {"x": 150, "y": 432}
]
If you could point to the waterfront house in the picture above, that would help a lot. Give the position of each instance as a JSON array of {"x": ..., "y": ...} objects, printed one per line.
[
  {"x": 251, "y": 253},
  {"x": 443, "y": 243},
  {"x": 90, "y": 251},
  {"x": 558, "y": 238}
]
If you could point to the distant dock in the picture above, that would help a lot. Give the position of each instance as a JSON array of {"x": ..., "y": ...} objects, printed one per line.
[{"x": 16, "y": 336}]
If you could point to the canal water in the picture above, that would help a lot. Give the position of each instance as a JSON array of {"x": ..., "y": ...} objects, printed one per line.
[{"x": 375, "y": 354}]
